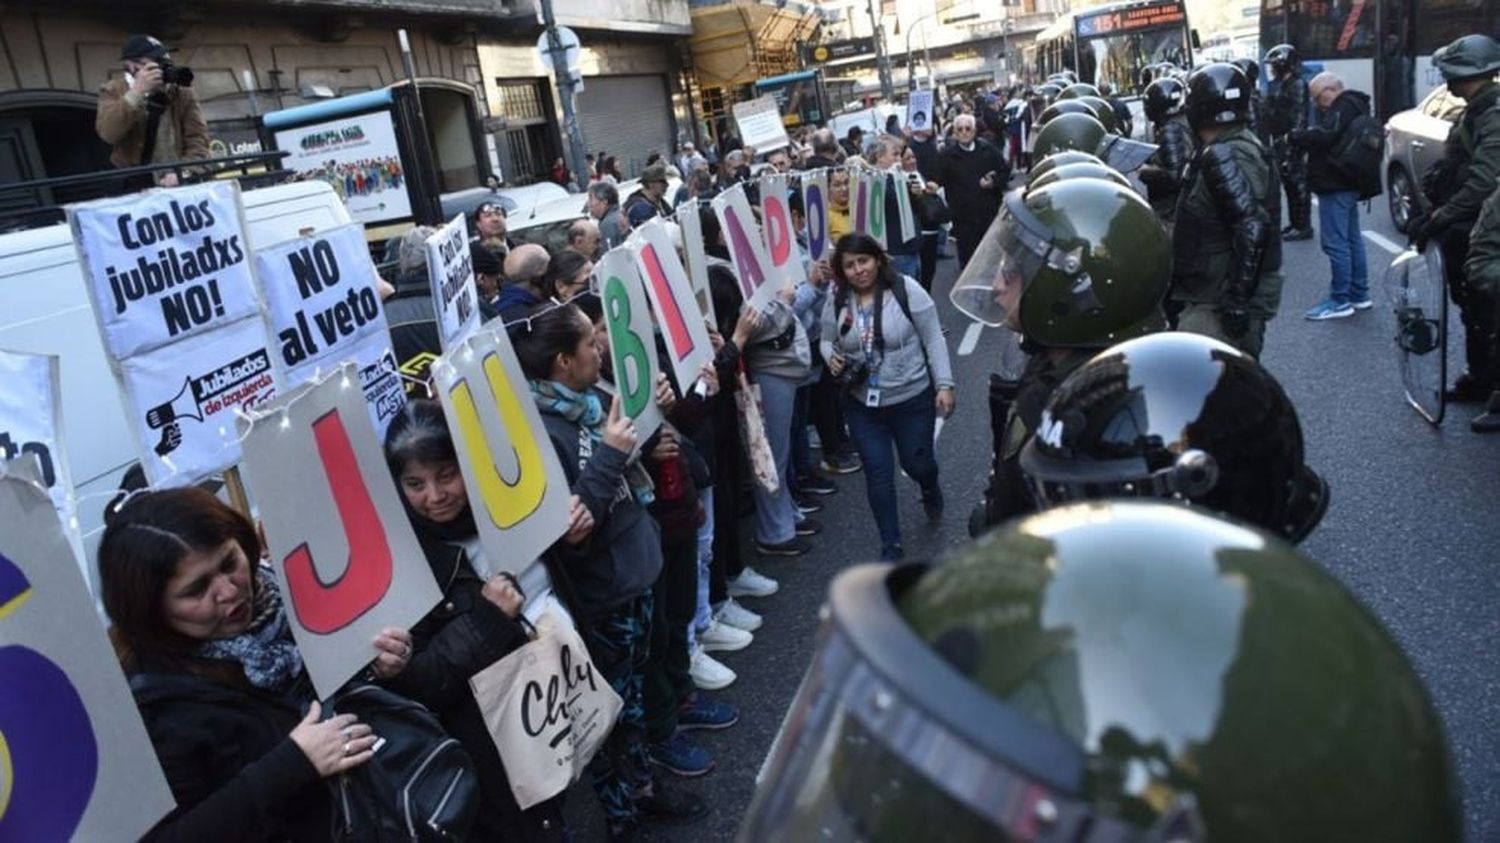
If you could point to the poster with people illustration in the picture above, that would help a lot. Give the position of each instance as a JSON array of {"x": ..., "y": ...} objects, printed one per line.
[{"x": 358, "y": 157}]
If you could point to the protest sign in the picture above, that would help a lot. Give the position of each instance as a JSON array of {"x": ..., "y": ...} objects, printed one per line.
[
  {"x": 815, "y": 213},
  {"x": 517, "y": 487},
  {"x": 323, "y": 308},
  {"x": 875, "y": 192},
  {"x": 901, "y": 187},
  {"x": 759, "y": 282},
  {"x": 632, "y": 347},
  {"x": 76, "y": 762},
  {"x": 451, "y": 272},
  {"x": 760, "y": 124},
  {"x": 781, "y": 237},
  {"x": 919, "y": 111},
  {"x": 344, "y": 553},
  {"x": 859, "y": 204},
  {"x": 671, "y": 296},
  {"x": 31, "y": 423},
  {"x": 696, "y": 257},
  {"x": 164, "y": 265}
]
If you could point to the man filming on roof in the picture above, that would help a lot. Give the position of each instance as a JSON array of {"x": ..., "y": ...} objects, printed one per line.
[{"x": 151, "y": 115}]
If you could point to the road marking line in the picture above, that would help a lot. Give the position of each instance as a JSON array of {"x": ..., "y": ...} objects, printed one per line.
[
  {"x": 1382, "y": 241},
  {"x": 970, "y": 340}
]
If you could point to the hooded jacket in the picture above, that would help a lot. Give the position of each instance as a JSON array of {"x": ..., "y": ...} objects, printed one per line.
[{"x": 1322, "y": 134}]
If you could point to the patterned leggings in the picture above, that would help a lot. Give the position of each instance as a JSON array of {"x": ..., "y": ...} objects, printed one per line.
[{"x": 619, "y": 645}]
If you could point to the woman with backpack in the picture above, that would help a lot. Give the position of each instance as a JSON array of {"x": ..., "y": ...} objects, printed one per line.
[
  {"x": 885, "y": 348},
  {"x": 200, "y": 627}
]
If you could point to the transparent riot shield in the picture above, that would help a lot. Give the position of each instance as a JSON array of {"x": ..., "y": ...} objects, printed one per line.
[{"x": 1415, "y": 283}]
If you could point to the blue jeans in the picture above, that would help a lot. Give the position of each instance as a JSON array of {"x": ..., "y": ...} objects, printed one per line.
[
  {"x": 776, "y": 514},
  {"x": 802, "y": 461},
  {"x": 883, "y": 434},
  {"x": 909, "y": 265},
  {"x": 1338, "y": 233}
]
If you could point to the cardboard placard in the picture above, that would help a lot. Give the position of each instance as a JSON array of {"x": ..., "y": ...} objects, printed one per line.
[
  {"x": 695, "y": 257},
  {"x": 760, "y": 125},
  {"x": 517, "y": 488},
  {"x": 31, "y": 423},
  {"x": 815, "y": 213},
  {"x": 781, "y": 236},
  {"x": 759, "y": 281},
  {"x": 323, "y": 308},
  {"x": 76, "y": 762},
  {"x": 671, "y": 295},
  {"x": 632, "y": 347},
  {"x": 906, "y": 220},
  {"x": 344, "y": 553},
  {"x": 919, "y": 111},
  {"x": 859, "y": 201},
  {"x": 455, "y": 296},
  {"x": 874, "y": 182}
]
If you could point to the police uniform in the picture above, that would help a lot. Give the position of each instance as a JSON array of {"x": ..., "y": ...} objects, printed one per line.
[{"x": 1285, "y": 112}]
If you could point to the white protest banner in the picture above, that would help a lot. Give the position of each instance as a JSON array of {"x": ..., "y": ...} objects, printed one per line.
[
  {"x": 345, "y": 555},
  {"x": 759, "y": 282},
  {"x": 815, "y": 213},
  {"x": 517, "y": 487},
  {"x": 874, "y": 182},
  {"x": 671, "y": 296},
  {"x": 696, "y": 256},
  {"x": 31, "y": 423},
  {"x": 781, "y": 236},
  {"x": 859, "y": 201},
  {"x": 760, "y": 124},
  {"x": 451, "y": 271},
  {"x": 76, "y": 762},
  {"x": 632, "y": 345},
  {"x": 323, "y": 308},
  {"x": 165, "y": 264},
  {"x": 919, "y": 111},
  {"x": 901, "y": 186}
]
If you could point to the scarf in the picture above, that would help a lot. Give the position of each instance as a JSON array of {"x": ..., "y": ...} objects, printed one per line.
[
  {"x": 265, "y": 649},
  {"x": 587, "y": 411}
]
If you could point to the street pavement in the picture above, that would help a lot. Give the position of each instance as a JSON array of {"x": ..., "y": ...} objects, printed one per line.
[{"x": 1411, "y": 530}]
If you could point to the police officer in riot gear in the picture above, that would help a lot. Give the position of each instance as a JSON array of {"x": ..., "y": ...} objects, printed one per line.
[
  {"x": 1286, "y": 112},
  {"x": 1457, "y": 187},
  {"x": 1085, "y": 133},
  {"x": 1121, "y": 671},
  {"x": 1073, "y": 267},
  {"x": 1251, "y": 69},
  {"x": 1166, "y": 108},
  {"x": 1226, "y": 249},
  {"x": 1182, "y": 417}
]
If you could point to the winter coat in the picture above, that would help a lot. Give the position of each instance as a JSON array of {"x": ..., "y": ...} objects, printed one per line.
[
  {"x": 1322, "y": 134},
  {"x": 120, "y": 120}
]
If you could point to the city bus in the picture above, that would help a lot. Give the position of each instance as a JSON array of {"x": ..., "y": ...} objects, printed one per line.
[
  {"x": 1112, "y": 43},
  {"x": 1383, "y": 47}
]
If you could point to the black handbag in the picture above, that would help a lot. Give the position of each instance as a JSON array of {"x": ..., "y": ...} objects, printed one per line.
[{"x": 932, "y": 211}]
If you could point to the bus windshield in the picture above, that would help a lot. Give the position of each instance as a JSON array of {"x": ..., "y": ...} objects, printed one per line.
[{"x": 1115, "y": 43}]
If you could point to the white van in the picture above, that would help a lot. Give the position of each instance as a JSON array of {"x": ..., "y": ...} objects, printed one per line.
[{"x": 47, "y": 311}]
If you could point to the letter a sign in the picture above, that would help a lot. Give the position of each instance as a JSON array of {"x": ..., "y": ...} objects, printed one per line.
[
  {"x": 517, "y": 488},
  {"x": 344, "y": 553}
]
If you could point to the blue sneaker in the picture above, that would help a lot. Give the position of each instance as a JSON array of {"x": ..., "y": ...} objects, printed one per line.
[
  {"x": 681, "y": 756},
  {"x": 1329, "y": 309},
  {"x": 1361, "y": 303},
  {"x": 700, "y": 712}
]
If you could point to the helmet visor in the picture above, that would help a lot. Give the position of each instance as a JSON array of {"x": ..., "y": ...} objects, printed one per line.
[{"x": 1016, "y": 246}]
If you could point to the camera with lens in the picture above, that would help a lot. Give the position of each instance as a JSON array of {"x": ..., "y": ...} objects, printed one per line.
[
  {"x": 854, "y": 374},
  {"x": 175, "y": 74}
]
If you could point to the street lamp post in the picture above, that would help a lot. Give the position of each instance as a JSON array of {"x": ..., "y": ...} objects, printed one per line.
[{"x": 882, "y": 58}]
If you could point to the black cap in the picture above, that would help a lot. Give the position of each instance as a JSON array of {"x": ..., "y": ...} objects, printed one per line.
[
  {"x": 485, "y": 262},
  {"x": 142, "y": 47}
]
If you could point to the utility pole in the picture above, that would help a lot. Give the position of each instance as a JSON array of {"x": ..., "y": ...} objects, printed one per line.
[
  {"x": 882, "y": 59},
  {"x": 566, "y": 92}
]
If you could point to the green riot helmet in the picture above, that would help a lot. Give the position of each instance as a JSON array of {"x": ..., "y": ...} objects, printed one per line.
[
  {"x": 1059, "y": 159},
  {"x": 1078, "y": 89},
  {"x": 1059, "y": 107},
  {"x": 1080, "y": 263},
  {"x": 1468, "y": 57},
  {"x": 1103, "y": 111},
  {"x": 1125, "y": 671},
  {"x": 1069, "y": 131},
  {"x": 1081, "y": 170},
  {"x": 1183, "y": 417},
  {"x": 1049, "y": 91}
]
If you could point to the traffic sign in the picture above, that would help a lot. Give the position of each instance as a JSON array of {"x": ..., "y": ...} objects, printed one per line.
[{"x": 572, "y": 50}]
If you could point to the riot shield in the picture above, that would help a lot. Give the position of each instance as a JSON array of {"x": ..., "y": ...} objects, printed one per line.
[{"x": 1415, "y": 283}]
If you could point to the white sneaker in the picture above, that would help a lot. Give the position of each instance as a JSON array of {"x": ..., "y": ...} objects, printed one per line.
[
  {"x": 737, "y": 616},
  {"x": 720, "y": 637},
  {"x": 751, "y": 583},
  {"x": 709, "y": 673}
]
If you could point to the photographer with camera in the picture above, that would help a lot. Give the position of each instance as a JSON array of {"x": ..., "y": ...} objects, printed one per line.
[{"x": 151, "y": 116}]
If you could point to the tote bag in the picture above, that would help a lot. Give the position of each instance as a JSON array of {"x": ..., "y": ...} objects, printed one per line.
[{"x": 753, "y": 434}]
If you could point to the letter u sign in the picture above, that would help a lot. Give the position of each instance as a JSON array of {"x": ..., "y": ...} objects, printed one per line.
[{"x": 507, "y": 500}]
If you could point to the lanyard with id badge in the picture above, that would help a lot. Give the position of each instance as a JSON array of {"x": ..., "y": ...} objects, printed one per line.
[{"x": 864, "y": 319}]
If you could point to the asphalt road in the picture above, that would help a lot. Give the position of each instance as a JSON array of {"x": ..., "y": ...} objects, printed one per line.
[{"x": 1411, "y": 529}]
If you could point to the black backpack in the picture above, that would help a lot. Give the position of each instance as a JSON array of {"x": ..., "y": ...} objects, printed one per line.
[
  {"x": 420, "y": 785},
  {"x": 1359, "y": 153}
]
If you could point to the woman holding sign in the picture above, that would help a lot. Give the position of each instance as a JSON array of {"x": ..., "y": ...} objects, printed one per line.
[
  {"x": 203, "y": 633},
  {"x": 885, "y": 348}
]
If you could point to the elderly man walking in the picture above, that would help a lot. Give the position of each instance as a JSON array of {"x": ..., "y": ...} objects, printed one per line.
[
  {"x": 974, "y": 174},
  {"x": 1338, "y": 196}
]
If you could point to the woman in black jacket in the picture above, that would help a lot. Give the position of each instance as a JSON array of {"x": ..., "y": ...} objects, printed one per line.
[
  {"x": 201, "y": 630},
  {"x": 476, "y": 623}
]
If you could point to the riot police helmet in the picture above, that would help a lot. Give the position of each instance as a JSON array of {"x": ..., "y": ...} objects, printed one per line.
[
  {"x": 1107, "y": 671},
  {"x": 1166, "y": 97},
  {"x": 1058, "y": 159},
  {"x": 1251, "y": 68},
  {"x": 1218, "y": 94},
  {"x": 1082, "y": 169},
  {"x": 1069, "y": 131},
  {"x": 1471, "y": 56},
  {"x": 1282, "y": 58},
  {"x": 1183, "y": 417},
  {"x": 1102, "y": 110},
  {"x": 1079, "y": 263},
  {"x": 1078, "y": 89},
  {"x": 1062, "y": 107},
  {"x": 1049, "y": 91}
]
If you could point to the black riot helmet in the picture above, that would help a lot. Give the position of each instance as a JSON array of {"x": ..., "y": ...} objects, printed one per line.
[
  {"x": 1251, "y": 69},
  {"x": 1218, "y": 94},
  {"x": 1110, "y": 672},
  {"x": 1165, "y": 98},
  {"x": 1282, "y": 59},
  {"x": 1183, "y": 417},
  {"x": 1063, "y": 106}
]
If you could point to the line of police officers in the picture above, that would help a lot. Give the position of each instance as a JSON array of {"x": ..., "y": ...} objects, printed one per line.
[{"x": 1147, "y": 658}]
